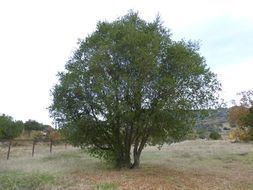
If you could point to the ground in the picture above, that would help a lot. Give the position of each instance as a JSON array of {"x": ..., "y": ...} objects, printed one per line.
[{"x": 199, "y": 164}]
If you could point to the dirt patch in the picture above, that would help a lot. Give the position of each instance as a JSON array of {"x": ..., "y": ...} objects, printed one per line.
[{"x": 159, "y": 179}]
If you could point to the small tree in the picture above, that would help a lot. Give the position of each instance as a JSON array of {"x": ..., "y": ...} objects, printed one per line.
[
  {"x": 9, "y": 128},
  {"x": 129, "y": 84},
  {"x": 241, "y": 116},
  {"x": 236, "y": 113},
  {"x": 248, "y": 124}
]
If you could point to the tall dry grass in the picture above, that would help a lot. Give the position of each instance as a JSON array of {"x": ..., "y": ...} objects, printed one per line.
[{"x": 187, "y": 165}]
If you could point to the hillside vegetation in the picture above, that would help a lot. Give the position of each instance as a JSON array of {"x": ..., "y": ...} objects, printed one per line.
[{"x": 217, "y": 120}]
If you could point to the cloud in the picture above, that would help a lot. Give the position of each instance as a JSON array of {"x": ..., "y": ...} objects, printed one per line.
[{"x": 235, "y": 78}]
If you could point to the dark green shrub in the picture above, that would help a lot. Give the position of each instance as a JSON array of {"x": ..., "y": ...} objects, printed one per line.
[{"x": 214, "y": 135}]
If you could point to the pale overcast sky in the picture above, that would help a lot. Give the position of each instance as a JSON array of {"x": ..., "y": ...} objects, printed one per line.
[{"x": 38, "y": 36}]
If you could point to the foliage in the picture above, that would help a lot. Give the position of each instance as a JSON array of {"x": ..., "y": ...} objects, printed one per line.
[
  {"x": 31, "y": 125},
  {"x": 248, "y": 124},
  {"x": 236, "y": 113},
  {"x": 246, "y": 98},
  {"x": 241, "y": 117},
  {"x": 9, "y": 128},
  {"x": 248, "y": 119},
  {"x": 214, "y": 135},
  {"x": 54, "y": 135},
  {"x": 129, "y": 84}
]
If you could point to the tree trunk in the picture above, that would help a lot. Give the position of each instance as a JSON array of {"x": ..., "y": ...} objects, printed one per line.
[
  {"x": 136, "y": 161},
  {"x": 123, "y": 163},
  {"x": 138, "y": 147},
  {"x": 128, "y": 161},
  {"x": 136, "y": 155},
  {"x": 123, "y": 160}
]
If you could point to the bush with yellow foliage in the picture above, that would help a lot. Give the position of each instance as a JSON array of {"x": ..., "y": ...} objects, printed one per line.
[{"x": 241, "y": 117}]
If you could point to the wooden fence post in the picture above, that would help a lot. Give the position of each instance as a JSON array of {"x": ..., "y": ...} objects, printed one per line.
[
  {"x": 9, "y": 149},
  {"x": 34, "y": 142},
  {"x": 51, "y": 144}
]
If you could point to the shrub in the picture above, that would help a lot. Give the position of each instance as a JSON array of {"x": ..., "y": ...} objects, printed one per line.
[
  {"x": 214, "y": 135},
  {"x": 9, "y": 129},
  {"x": 202, "y": 134}
]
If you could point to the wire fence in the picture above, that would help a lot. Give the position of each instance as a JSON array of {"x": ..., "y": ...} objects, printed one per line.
[{"x": 9, "y": 144}]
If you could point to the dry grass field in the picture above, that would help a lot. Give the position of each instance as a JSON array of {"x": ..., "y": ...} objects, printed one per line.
[{"x": 189, "y": 165}]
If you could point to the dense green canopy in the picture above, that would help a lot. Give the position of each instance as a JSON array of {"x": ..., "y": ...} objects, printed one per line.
[
  {"x": 9, "y": 128},
  {"x": 129, "y": 84}
]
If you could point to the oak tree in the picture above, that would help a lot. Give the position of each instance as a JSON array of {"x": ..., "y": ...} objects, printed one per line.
[{"x": 129, "y": 84}]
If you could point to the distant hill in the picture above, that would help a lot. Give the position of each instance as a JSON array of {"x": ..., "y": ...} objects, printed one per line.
[{"x": 217, "y": 120}]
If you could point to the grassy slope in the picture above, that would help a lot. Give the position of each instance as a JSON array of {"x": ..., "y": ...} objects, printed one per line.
[{"x": 187, "y": 165}]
